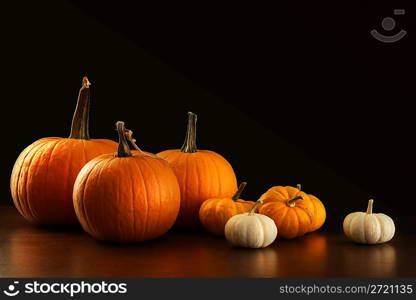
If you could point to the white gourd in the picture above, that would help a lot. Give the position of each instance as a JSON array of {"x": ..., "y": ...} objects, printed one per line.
[
  {"x": 369, "y": 228},
  {"x": 250, "y": 230}
]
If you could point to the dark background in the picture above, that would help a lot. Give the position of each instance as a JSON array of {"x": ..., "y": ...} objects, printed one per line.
[{"x": 295, "y": 92}]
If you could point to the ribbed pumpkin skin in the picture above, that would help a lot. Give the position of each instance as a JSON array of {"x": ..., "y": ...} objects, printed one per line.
[
  {"x": 215, "y": 212},
  {"x": 319, "y": 213},
  {"x": 201, "y": 175},
  {"x": 126, "y": 199},
  {"x": 291, "y": 222},
  {"x": 44, "y": 174}
]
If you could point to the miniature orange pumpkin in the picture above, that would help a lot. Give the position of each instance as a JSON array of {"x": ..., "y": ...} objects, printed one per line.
[
  {"x": 202, "y": 174},
  {"x": 290, "y": 208},
  {"x": 126, "y": 197},
  {"x": 294, "y": 212},
  {"x": 44, "y": 174},
  {"x": 215, "y": 212}
]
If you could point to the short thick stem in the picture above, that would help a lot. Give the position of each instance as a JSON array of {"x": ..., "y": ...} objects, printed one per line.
[
  {"x": 370, "y": 206},
  {"x": 123, "y": 146},
  {"x": 189, "y": 146},
  {"x": 80, "y": 120},
  {"x": 299, "y": 186},
  {"x": 292, "y": 202},
  {"x": 239, "y": 191},
  {"x": 254, "y": 208}
]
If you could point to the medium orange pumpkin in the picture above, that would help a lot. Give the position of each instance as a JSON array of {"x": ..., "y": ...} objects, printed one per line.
[
  {"x": 202, "y": 174},
  {"x": 126, "y": 197},
  {"x": 215, "y": 212},
  {"x": 44, "y": 174},
  {"x": 294, "y": 212}
]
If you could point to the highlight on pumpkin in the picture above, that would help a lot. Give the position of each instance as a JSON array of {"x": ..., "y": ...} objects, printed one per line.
[
  {"x": 43, "y": 175},
  {"x": 140, "y": 192},
  {"x": 202, "y": 175}
]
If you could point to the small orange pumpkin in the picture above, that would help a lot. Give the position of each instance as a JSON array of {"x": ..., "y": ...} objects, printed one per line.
[
  {"x": 202, "y": 174},
  {"x": 215, "y": 212},
  {"x": 291, "y": 210},
  {"x": 294, "y": 212},
  {"x": 126, "y": 197},
  {"x": 44, "y": 174}
]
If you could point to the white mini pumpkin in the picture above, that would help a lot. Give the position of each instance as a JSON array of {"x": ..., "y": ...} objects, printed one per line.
[
  {"x": 369, "y": 228},
  {"x": 250, "y": 230}
]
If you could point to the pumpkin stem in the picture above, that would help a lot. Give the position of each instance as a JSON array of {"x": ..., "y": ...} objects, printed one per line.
[
  {"x": 292, "y": 202},
  {"x": 370, "y": 207},
  {"x": 123, "y": 146},
  {"x": 253, "y": 209},
  {"x": 189, "y": 146},
  {"x": 80, "y": 120},
  {"x": 299, "y": 186},
  {"x": 241, "y": 188},
  {"x": 129, "y": 136}
]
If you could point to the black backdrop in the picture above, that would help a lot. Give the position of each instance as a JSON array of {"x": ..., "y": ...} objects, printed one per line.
[{"x": 293, "y": 93}]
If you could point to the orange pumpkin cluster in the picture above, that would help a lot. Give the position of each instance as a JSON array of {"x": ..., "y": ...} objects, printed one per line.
[
  {"x": 293, "y": 211},
  {"x": 124, "y": 195}
]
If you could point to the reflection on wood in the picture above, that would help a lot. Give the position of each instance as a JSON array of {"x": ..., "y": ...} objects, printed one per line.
[
  {"x": 31, "y": 251},
  {"x": 379, "y": 259}
]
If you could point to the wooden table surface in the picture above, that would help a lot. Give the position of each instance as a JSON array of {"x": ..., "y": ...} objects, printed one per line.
[{"x": 29, "y": 251}]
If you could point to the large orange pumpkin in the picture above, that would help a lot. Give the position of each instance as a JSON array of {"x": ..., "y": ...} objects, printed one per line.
[
  {"x": 202, "y": 174},
  {"x": 215, "y": 212},
  {"x": 294, "y": 212},
  {"x": 44, "y": 174},
  {"x": 126, "y": 197}
]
